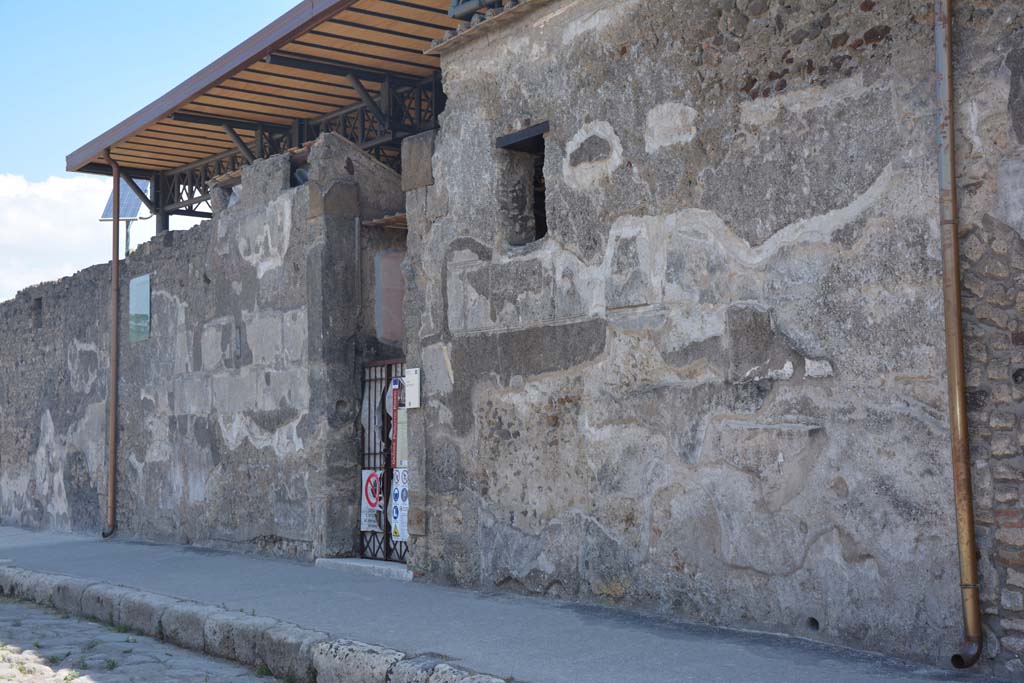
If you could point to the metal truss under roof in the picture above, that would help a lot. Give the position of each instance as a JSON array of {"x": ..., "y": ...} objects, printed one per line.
[{"x": 355, "y": 67}]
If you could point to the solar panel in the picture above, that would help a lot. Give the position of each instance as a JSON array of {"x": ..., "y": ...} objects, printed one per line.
[{"x": 131, "y": 205}]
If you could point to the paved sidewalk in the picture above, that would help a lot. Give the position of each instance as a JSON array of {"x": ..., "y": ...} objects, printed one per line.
[
  {"x": 530, "y": 639},
  {"x": 38, "y": 645}
]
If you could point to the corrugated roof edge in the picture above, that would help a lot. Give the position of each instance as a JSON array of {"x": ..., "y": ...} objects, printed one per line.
[{"x": 291, "y": 24}]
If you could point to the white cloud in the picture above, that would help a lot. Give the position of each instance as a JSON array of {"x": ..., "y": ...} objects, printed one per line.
[{"x": 51, "y": 229}]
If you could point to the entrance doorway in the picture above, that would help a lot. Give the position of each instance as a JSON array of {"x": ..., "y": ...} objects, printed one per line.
[{"x": 377, "y": 538}]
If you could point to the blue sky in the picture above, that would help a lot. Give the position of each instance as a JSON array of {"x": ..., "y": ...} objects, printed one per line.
[
  {"x": 81, "y": 66},
  {"x": 71, "y": 70}
]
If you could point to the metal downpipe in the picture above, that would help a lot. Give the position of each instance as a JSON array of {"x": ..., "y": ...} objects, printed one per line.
[
  {"x": 115, "y": 279},
  {"x": 949, "y": 213}
]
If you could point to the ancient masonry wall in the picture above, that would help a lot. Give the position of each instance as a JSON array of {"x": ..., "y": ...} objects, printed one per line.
[
  {"x": 990, "y": 145},
  {"x": 716, "y": 388},
  {"x": 238, "y": 415}
]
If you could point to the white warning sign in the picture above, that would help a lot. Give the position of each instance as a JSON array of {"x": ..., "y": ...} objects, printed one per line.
[
  {"x": 372, "y": 497},
  {"x": 398, "y": 506}
]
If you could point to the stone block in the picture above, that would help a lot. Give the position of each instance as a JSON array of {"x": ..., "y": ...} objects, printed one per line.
[
  {"x": 236, "y": 636},
  {"x": 445, "y": 673},
  {"x": 36, "y": 587},
  {"x": 1013, "y": 625},
  {"x": 1004, "y": 446},
  {"x": 338, "y": 199},
  {"x": 99, "y": 601},
  {"x": 183, "y": 623},
  {"x": 220, "y": 198},
  {"x": 1014, "y": 644},
  {"x": 67, "y": 594},
  {"x": 265, "y": 179},
  {"x": 415, "y": 669},
  {"x": 287, "y": 650},
  {"x": 756, "y": 351},
  {"x": 1002, "y": 421},
  {"x": 1014, "y": 537},
  {"x": 629, "y": 279},
  {"x": 346, "y": 661},
  {"x": 417, "y": 161},
  {"x": 9, "y": 579},
  {"x": 140, "y": 612},
  {"x": 1013, "y": 601}
]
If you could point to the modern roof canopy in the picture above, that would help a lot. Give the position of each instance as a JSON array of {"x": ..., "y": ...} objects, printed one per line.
[{"x": 356, "y": 67}]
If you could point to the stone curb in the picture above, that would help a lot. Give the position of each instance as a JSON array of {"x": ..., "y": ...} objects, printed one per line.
[{"x": 290, "y": 652}]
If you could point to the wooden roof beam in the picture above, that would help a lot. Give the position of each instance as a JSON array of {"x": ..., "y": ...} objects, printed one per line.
[
  {"x": 328, "y": 67},
  {"x": 233, "y": 123}
]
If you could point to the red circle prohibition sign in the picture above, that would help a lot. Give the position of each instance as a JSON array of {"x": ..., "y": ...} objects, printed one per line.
[{"x": 372, "y": 490}]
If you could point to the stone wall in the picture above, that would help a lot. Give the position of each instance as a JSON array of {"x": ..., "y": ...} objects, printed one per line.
[
  {"x": 716, "y": 388},
  {"x": 54, "y": 346},
  {"x": 238, "y": 416},
  {"x": 990, "y": 106}
]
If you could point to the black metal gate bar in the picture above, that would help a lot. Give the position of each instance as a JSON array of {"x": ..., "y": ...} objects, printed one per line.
[{"x": 378, "y": 545}]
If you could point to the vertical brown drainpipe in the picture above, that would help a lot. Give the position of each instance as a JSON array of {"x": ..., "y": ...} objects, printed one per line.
[
  {"x": 949, "y": 212},
  {"x": 115, "y": 279}
]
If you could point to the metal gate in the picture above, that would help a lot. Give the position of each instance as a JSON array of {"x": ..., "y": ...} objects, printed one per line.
[{"x": 376, "y": 428}]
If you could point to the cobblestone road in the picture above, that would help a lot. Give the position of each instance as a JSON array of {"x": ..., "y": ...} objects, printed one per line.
[{"x": 41, "y": 646}]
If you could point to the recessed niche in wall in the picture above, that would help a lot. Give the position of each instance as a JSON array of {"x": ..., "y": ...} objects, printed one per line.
[
  {"x": 138, "y": 309},
  {"x": 525, "y": 199}
]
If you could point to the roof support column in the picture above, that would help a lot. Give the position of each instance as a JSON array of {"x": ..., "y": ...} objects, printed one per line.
[
  {"x": 156, "y": 191},
  {"x": 115, "y": 344}
]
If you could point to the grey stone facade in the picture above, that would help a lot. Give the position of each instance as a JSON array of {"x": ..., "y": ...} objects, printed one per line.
[
  {"x": 716, "y": 389},
  {"x": 238, "y": 416}
]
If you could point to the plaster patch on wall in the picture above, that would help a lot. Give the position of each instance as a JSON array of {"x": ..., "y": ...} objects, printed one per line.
[
  {"x": 761, "y": 112},
  {"x": 817, "y": 369},
  {"x": 83, "y": 365},
  {"x": 1010, "y": 202},
  {"x": 238, "y": 428},
  {"x": 48, "y": 471},
  {"x": 265, "y": 336},
  {"x": 783, "y": 373},
  {"x": 264, "y": 243},
  {"x": 212, "y": 342},
  {"x": 597, "y": 20},
  {"x": 709, "y": 226},
  {"x": 987, "y": 117},
  {"x": 438, "y": 375},
  {"x": 670, "y": 123},
  {"x": 586, "y": 174}
]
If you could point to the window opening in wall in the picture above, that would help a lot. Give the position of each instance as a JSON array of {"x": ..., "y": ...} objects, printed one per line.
[
  {"x": 138, "y": 309},
  {"x": 300, "y": 175},
  {"x": 528, "y": 206},
  {"x": 37, "y": 313},
  {"x": 540, "y": 209}
]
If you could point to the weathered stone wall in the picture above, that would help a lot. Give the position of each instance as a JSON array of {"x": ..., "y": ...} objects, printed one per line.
[
  {"x": 238, "y": 416},
  {"x": 716, "y": 388},
  {"x": 990, "y": 106},
  {"x": 54, "y": 345}
]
